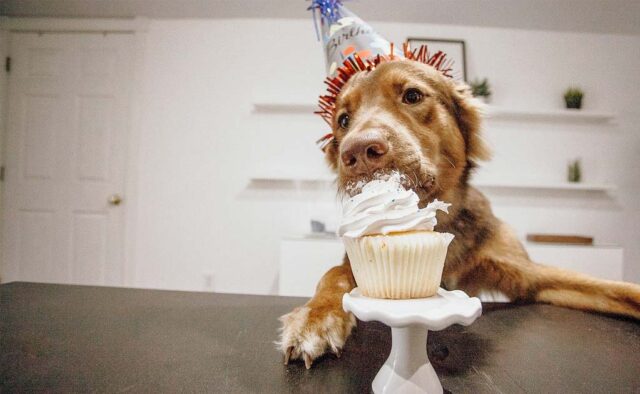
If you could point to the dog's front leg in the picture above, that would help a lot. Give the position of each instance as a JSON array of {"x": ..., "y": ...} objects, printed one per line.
[{"x": 321, "y": 324}]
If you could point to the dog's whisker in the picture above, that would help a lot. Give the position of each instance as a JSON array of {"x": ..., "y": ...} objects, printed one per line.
[
  {"x": 450, "y": 162},
  {"x": 417, "y": 181}
]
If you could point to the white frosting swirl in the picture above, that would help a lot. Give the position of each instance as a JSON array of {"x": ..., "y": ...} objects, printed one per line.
[{"x": 384, "y": 206}]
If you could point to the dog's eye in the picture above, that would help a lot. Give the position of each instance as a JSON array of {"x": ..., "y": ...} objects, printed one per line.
[
  {"x": 343, "y": 121},
  {"x": 412, "y": 96}
]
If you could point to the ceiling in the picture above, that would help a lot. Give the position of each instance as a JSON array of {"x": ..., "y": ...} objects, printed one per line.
[{"x": 597, "y": 16}]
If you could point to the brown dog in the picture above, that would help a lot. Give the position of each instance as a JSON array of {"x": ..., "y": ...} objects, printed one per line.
[{"x": 405, "y": 115}]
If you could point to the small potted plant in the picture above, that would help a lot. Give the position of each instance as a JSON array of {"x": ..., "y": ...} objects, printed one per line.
[
  {"x": 573, "y": 98},
  {"x": 574, "y": 171},
  {"x": 481, "y": 89}
]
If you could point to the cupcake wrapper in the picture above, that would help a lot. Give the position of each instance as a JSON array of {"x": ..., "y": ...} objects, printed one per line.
[{"x": 398, "y": 266}]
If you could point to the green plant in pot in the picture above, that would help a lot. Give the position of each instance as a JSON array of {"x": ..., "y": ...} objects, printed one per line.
[
  {"x": 481, "y": 89},
  {"x": 573, "y": 98},
  {"x": 574, "y": 171}
]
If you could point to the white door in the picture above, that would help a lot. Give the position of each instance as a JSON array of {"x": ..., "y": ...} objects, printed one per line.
[{"x": 67, "y": 122}]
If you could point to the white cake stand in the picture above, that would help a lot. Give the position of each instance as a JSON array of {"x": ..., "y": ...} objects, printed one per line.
[{"x": 408, "y": 370}]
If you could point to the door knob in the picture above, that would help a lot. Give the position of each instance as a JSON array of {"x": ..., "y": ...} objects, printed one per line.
[{"x": 115, "y": 199}]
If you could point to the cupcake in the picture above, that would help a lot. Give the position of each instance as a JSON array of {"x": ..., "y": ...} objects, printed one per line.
[{"x": 391, "y": 243}]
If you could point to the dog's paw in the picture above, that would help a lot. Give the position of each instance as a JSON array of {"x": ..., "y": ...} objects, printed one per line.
[{"x": 308, "y": 333}]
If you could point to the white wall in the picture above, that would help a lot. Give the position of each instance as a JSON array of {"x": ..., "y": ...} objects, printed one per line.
[
  {"x": 4, "y": 49},
  {"x": 200, "y": 143}
]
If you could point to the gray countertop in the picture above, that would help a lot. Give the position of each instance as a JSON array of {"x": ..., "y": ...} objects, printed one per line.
[{"x": 61, "y": 338}]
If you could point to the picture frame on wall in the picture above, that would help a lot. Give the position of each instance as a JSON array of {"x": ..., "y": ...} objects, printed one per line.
[{"x": 454, "y": 49}]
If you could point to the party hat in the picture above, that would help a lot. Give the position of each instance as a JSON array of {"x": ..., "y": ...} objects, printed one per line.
[
  {"x": 351, "y": 46},
  {"x": 344, "y": 34}
]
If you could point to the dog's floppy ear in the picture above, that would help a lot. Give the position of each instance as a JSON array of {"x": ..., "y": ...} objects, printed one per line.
[{"x": 468, "y": 113}]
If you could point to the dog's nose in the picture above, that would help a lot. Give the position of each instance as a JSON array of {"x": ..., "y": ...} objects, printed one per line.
[{"x": 364, "y": 153}]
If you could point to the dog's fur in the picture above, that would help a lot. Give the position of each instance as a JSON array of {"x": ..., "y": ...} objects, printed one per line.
[{"x": 436, "y": 142}]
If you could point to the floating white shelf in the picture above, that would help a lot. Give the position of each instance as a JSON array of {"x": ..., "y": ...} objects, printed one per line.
[
  {"x": 561, "y": 115},
  {"x": 492, "y": 112},
  {"x": 586, "y": 187},
  {"x": 291, "y": 179},
  {"x": 566, "y": 186},
  {"x": 284, "y": 108}
]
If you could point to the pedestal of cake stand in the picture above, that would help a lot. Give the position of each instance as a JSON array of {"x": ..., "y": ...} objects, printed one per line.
[{"x": 408, "y": 370}]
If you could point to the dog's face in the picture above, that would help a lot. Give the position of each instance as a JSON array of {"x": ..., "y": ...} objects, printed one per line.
[{"x": 407, "y": 116}]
